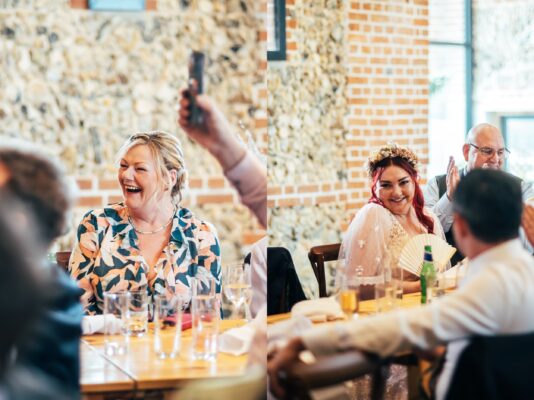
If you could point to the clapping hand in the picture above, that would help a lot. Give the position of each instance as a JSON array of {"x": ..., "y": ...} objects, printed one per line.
[
  {"x": 528, "y": 222},
  {"x": 453, "y": 177}
]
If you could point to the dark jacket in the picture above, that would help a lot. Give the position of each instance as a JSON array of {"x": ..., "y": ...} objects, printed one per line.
[{"x": 53, "y": 348}]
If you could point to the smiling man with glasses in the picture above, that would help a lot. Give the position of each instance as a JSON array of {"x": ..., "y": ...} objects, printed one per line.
[
  {"x": 490, "y": 153},
  {"x": 484, "y": 148}
]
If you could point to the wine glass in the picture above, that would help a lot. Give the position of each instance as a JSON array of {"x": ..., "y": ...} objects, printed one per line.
[
  {"x": 237, "y": 287},
  {"x": 248, "y": 294}
]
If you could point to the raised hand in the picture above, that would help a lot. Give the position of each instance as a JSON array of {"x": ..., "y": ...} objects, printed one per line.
[{"x": 215, "y": 133}]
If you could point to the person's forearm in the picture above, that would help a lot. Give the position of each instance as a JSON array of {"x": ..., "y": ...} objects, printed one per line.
[
  {"x": 411, "y": 287},
  {"x": 228, "y": 152}
]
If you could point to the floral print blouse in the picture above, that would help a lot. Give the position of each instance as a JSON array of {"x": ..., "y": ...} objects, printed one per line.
[{"x": 107, "y": 258}]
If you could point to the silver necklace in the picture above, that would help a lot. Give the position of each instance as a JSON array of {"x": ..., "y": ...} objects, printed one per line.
[{"x": 166, "y": 224}]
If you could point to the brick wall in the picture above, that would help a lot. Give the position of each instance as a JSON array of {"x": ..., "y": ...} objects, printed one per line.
[
  {"x": 381, "y": 63},
  {"x": 387, "y": 84}
]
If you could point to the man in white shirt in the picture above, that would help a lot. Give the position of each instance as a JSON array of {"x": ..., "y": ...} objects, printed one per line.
[
  {"x": 496, "y": 296},
  {"x": 483, "y": 148}
]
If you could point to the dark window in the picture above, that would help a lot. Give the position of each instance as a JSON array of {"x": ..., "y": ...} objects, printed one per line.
[{"x": 276, "y": 30}]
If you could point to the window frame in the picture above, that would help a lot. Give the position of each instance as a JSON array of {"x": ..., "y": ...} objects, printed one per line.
[
  {"x": 504, "y": 129},
  {"x": 467, "y": 44},
  {"x": 279, "y": 31},
  {"x": 116, "y": 5}
]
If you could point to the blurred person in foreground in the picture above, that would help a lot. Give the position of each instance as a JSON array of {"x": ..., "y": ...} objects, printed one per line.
[
  {"x": 484, "y": 148},
  {"x": 496, "y": 296},
  {"x": 148, "y": 241},
  {"x": 39, "y": 184},
  {"x": 22, "y": 296}
]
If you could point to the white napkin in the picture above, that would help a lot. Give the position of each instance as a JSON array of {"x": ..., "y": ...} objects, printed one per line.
[
  {"x": 288, "y": 328},
  {"x": 95, "y": 324},
  {"x": 318, "y": 310},
  {"x": 236, "y": 341}
]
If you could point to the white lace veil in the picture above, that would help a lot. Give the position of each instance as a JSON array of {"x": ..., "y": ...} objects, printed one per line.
[{"x": 364, "y": 251}]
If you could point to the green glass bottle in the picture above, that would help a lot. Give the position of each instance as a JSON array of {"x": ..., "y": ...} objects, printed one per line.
[{"x": 428, "y": 276}]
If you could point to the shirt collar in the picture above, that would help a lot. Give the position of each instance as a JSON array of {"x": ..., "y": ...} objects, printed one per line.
[
  {"x": 177, "y": 235},
  {"x": 502, "y": 251},
  {"x": 120, "y": 215}
]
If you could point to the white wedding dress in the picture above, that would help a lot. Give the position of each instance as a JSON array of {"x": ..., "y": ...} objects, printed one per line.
[{"x": 375, "y": 237}]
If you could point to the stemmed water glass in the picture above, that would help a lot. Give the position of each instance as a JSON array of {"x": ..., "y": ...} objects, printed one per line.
[{"x": 237, "y": 287}]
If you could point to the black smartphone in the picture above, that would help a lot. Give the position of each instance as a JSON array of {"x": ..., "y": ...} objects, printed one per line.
[{"x": 196, "y": 85}]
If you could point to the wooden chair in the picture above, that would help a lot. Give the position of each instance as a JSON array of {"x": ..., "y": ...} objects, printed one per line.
[
  {"x": 301, "y": 378},
  {"x": 62, "y": 259},
  {"x": 318, "y": 255}
]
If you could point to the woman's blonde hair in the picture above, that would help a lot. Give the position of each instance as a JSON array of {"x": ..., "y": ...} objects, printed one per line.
[{"x": 167, "y": 152}]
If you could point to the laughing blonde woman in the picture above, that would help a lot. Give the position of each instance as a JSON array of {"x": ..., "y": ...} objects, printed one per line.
[{"x": 148, "y": 240}]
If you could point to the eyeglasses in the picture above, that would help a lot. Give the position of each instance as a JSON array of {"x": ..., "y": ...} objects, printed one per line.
[{"x": 488, "y": 152}]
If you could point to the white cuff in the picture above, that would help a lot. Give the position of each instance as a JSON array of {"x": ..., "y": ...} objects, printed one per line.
[{"x": 321, "y": 340}]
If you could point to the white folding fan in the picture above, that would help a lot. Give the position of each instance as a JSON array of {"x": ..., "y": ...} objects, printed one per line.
[{"x": 411, "y": 258}]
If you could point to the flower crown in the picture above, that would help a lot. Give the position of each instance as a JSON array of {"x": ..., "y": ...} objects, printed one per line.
[{"x": 391, "y": 150}]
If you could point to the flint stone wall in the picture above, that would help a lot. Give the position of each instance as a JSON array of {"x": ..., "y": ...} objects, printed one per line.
[
  {"x": 78, "y": 83},
  {"x": 307, "y": 108}
]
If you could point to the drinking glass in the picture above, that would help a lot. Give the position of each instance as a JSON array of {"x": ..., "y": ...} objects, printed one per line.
[
  {"x": 167, "y": 325},
  {"x": 397, "y": 279},
  {"x": 205, "y": 315},
  {"x": 385, "y": 296},
  {"x": 441, "y": 281},
  {"x": 348, "y": 289},
  {"x": 137, "y": 315},
  {"x": 386, "y": 288},
  {"x": 115, "y": 310},
  {"x": 248, "y": 295},
  {"x": 237, "y": 287}
]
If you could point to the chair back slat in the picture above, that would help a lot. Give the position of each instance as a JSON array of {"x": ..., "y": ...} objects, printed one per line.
[
  {"x": 318, "y": 255},
  {"x": 62, "y": 259}
]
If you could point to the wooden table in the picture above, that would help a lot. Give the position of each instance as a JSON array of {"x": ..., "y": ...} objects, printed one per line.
[
  {"x": 411, "y": 300},
  {"x": 139, "y": 372},
  {"x": 367, "y": 307}
]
